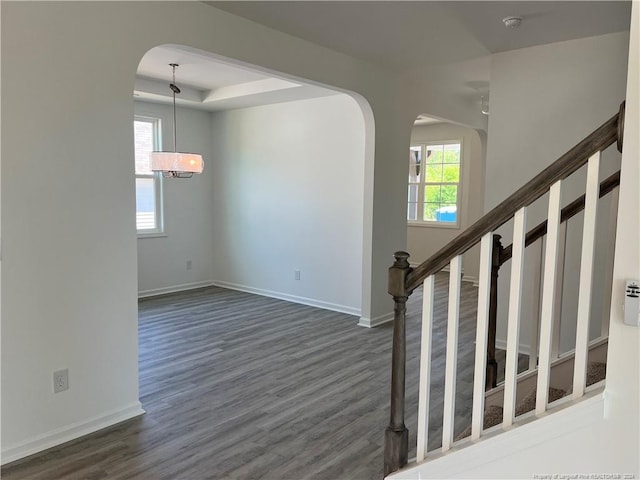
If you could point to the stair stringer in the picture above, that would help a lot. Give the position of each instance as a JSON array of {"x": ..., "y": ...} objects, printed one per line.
[{"x": 566, "y": 440}]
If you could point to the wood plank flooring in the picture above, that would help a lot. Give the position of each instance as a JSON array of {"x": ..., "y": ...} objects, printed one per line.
[{"x": 238, "y": 386}]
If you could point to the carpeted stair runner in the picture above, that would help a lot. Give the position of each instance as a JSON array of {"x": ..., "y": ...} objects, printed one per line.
[
  {"x": 493, "y": 413},
  {"x": 596, "y": 372}
]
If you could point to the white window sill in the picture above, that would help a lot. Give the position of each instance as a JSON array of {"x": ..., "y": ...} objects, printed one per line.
[
  {"x": 152, "y": 235},
  {"x": 454, "y": 226}
]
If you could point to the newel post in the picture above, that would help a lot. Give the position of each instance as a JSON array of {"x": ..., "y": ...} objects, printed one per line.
[
  {"x": 396, "y": 436},
  {"x": 492, "y": 366}
]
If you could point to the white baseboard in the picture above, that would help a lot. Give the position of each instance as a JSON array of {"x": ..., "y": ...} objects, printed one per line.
[
  {"x": 471, "y": 279},
  {"x": 376, "y": 321},
  {"x": 174, "y": 288},
  {"x": 290, "y": 298},
  {"x": 69, "y": 432},
  {"x": 522, "y": 348}
]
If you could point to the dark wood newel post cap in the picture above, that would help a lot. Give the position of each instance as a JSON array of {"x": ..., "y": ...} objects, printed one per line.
[
  {"x": 398, "y": 275},
  {"x": 401, "y": 260}
]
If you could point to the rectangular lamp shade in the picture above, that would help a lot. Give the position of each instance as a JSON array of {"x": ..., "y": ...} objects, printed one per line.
[{"x": 176, "y": 162}]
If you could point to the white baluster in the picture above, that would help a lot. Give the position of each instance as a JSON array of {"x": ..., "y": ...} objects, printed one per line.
[
  {"x": 455, "y": 272},
  {"x": 482, "y": 330},
  {"x": 425, "y": 368},
  {"x": 586, "y": 275},
  {"x": 548, "y": 297},
  {"x": 557, "y": 317},
  {"x": 534, "y": 326},
  {"x": 608, "y": 273},
  {"x": 533, "y": 343},
  {"x": 513, "y": 325}
]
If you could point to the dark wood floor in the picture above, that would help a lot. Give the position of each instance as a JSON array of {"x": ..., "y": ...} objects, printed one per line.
[{"x": 238, "y": 386}]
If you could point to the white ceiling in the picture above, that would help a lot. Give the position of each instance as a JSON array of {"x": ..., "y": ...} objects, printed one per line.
[
  {"x": 212, "y": 84},
  {"x": 193, "y": 70},
  {"x": 400, "y": 35},
  {"x": 543, "y": 21}
]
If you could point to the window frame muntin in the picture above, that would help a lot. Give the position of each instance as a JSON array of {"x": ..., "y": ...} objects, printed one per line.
[
  {"x": 158, "y": 231},
  {"x": 420, "y": 222}
]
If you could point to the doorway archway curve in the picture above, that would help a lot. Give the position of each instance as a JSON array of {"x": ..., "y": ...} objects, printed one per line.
[{"x": 213, "y": 82}]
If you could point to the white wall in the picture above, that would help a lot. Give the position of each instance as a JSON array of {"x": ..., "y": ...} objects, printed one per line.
[
  {"x": 601, "y": 435},
  {"x": 69, "y": 265},
  {"x": 188, "y": 219},
  {"x": 544, "y": 100},
  {"x": 260, "y": 209},
  {"x": 424, "y": 241},
  {"x": 69, "y": 295},
  {"x": 288, "y": 195}
]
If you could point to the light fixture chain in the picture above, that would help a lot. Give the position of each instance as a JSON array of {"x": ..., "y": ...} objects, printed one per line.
[{"x": 175, "y": 128}]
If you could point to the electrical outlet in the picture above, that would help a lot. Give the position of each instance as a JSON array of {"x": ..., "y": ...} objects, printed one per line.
[
  {"x": 189, "y": 264},
  {"x": 296, "y": 274},
  {"x": 60, "y": 381}
]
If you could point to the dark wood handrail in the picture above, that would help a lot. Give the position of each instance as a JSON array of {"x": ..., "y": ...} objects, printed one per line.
[
  {"x": 566, "y": 213},
  {"x": 568, "y": 163}
]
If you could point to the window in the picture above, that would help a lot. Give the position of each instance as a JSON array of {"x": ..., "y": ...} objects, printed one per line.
[
  {"x": 434, "y": 180},
  {"x": 148, "y": 183}
]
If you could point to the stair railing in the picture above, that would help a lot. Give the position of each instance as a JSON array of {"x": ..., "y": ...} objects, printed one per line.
[
  {"x": 403, "y": 280},
  {"x": 501, "y": 255},
  {"x": 566, "y": 214}
]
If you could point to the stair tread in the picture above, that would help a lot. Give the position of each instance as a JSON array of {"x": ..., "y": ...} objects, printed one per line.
[
  {"x": 493, "y": 414},
  {"x": 596, "y": 372},
  {"x": 528, "y": 403}
]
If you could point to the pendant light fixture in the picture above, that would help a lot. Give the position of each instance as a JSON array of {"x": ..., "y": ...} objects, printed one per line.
[{"x": 176, "y": 164}]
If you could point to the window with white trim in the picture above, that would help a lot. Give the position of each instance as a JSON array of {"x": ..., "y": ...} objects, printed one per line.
[
  {"x": 434, "y": 183},
  {"x": 148, "y": 183}
]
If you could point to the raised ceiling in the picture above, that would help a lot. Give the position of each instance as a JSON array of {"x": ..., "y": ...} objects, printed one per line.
[
  {"x": 209, "y": 83},
  {"x": 393, "y": 34},
  {"x": 416, "y": 34}
]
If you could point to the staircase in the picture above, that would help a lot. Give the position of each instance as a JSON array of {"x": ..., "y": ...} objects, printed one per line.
[
  {"x": 533, "y": 390},
  {"x": 494, "y": 412}
]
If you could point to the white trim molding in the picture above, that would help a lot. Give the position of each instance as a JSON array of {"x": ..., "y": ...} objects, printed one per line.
[
  {"x": 471, "y": 279},
  {"x": 290, "y": 298},
  {"x": 174, "y": 288},
  {"x": 70, "y": 432},
  {"x": 376, "y": 321}
]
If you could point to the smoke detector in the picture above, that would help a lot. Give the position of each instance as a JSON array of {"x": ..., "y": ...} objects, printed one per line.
[{"x": 512, "y": 22}]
